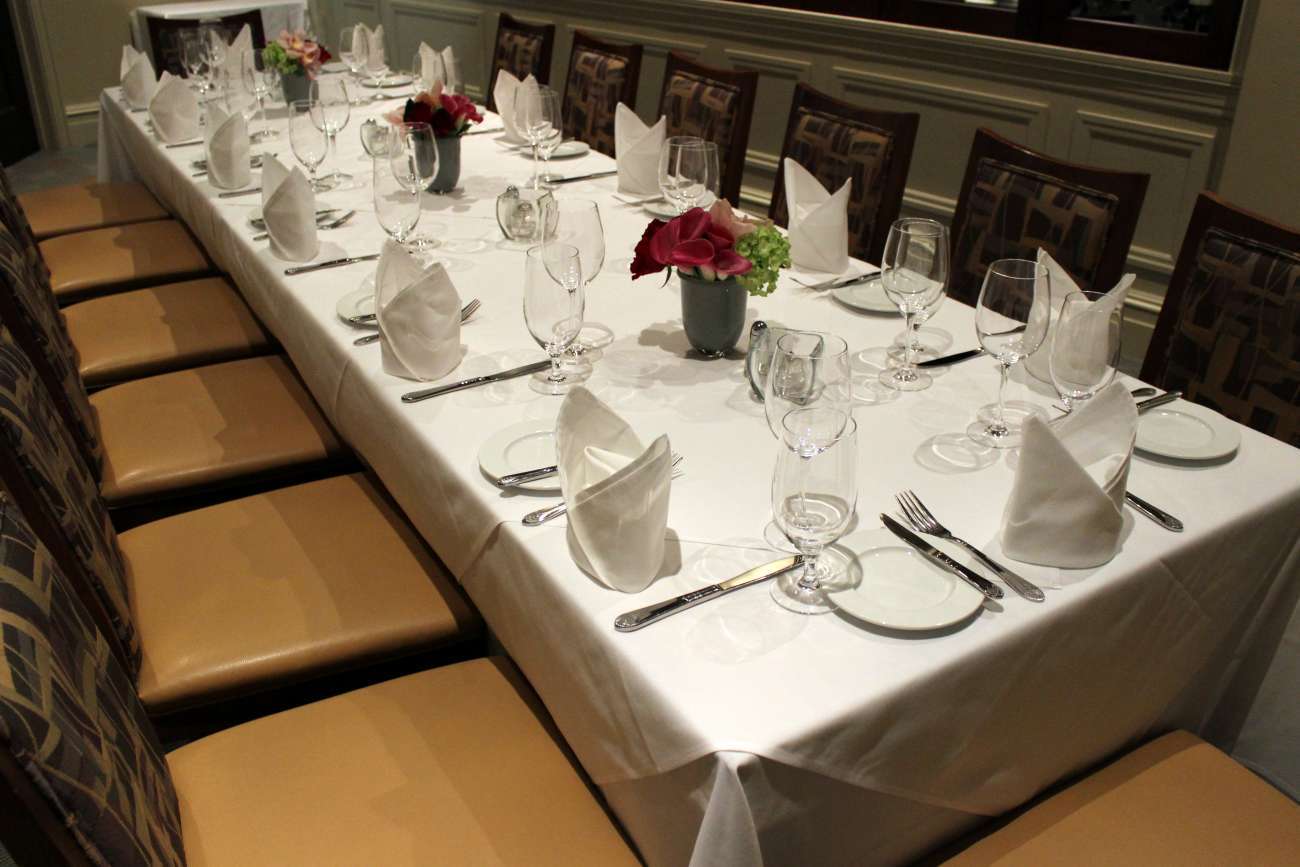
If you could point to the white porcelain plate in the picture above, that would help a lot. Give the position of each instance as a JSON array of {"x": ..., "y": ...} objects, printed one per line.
[
  {"x": 568, "y": 149},
  {"x": 525, "y": 445},
  {"x": 1187, "y": 431},
  {"x": 900, "y": 589},
  {"x": 358, "y": 302},
  {"x": 869, "y": 297},
  {"x": 387, "y": 81},
  {"x": 664, "y": 210}
]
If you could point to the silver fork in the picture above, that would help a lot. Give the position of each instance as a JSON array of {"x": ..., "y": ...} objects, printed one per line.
[
  {"x": 541, "y": 516},
  {"x": 465, "y": 312},
  {"x": 923, "y": 521}
]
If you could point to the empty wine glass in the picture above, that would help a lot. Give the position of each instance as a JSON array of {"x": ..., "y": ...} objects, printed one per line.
[
  {"x": 537, "y": 117},
  {"x": 914, "y": 271},
  {"x": 330, "y": 112},
  {"x": 814, "y": 495},
  {"x": 921, "y": 350},
  {"x": 306, "y": 139},
  {"x": 688, "y": 168},
  {"x": 1085, "y": 345},
  {"x": 397, "y": 207},
  {"x": 553, "y": 306},
  {"x": 352, "y": 52},
  {"x": 808, "y": 369},
  {"x": 413, "y": 154},
  {"x": 1011, "y": 319},
  {"x": 194, "y": 56},
  {"x": 252, "y": 73},
  {"x": 578, "y": 224}
]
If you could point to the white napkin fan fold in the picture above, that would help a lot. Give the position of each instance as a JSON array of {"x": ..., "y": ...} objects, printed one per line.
[
  {"x": 137, "y": 78},
  {"x": 1039, "y": 364},
  {"x": 228, "y": 148},
  {"x": 174, "y": 110},
  {"x": 418, "y": 310},
  {"x": 504, "y": 94},
  {"x": 636, "y": 148},
  {"x": 819, "y": 221},
  {"x": 289, "y": 209}
]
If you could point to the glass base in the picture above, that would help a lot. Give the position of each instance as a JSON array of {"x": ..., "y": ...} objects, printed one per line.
[
  {"x": 542, "y": 383},
  {"x": 422, "y": 242},
  {"x": 904, "y": 379},
  {"x": 789, "y": 594},
  {"x": 986, "y": 431}
]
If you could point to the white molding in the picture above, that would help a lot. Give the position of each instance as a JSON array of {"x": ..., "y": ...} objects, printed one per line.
[
  {"x": 655, "y": 46},
  {"x": 81, "y": 122},
  {"x": 441, "y": 12},
  {"x": 777, "y": 65}
]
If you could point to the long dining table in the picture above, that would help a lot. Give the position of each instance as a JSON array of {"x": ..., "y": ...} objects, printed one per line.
[{"x": 738, "y": 732}]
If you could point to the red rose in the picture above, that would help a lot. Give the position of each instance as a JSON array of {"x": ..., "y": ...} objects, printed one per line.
[
  {"x": 642, "y": 262},
  {"x": 418, "y": 112}
]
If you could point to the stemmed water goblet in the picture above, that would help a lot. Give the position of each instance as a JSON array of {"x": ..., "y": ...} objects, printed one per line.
[
  {"x": 537, "y": 117},
  {"x": 353, "y": 56},
  {"x": 1085, "y": 345},
  {"x": 578, "y": 224},
  {"x": 688, "y": 169},
  {"x": 814, "y": 495},
  {"x": 1011, "y": 319},
  {"x": 256, "y": 81},
  {"x": 330, "y": 111},
  {"x": 414, "y": 158},
  {"x": 307, "y": 140},
  {"x": 914, "y": 271},
  {"x": 397, "y": 207},
  {"x": 808, "y": 369},
  {"x": 553, "y": 305}
]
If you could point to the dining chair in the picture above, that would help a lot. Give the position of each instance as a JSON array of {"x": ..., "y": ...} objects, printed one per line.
[
  {"x": 1226, "y": 333},
  {"x": 1014, "y": 201},
  {"x": 213, "y": 605},
  {"x": 838, "y": 141},
  {"x": 165, "y": 36},
  {"x": 1175, "y": 800},
  {"x": 601, "y": 75},
  {"x": 454, "y": 765},
  {"x": 77, "y": 207},
  {"x": 716, "y": 105},
  {"x": 522, "y": 49}
]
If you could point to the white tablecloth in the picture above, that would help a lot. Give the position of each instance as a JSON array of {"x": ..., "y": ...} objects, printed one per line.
[
  {"x": 737, "y": 733},
  {"x": 277, "y": 15}
]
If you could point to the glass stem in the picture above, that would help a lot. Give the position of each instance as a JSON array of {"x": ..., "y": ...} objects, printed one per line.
[
  {"x": 556, "y": 374},
  {"x": 909, "y": 319},
  {"x": 808, "y": 577},
  {"x": 1000, "y": 419},
  {"x": 537, "y": 178}
]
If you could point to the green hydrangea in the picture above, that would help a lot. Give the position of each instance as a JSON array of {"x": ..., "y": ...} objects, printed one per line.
[
  {"x": 769, "y": 251},
  {"x": 277, "y": 58}
]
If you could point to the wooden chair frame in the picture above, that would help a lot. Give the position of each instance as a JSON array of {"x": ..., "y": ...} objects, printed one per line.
[
  {"x": 546, "y": 32},
  {"x": 629, "y": 52},
  {"x": 902, "y": 129}
]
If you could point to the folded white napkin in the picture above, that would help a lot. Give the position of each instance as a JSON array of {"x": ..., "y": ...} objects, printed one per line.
[
  {"x": 361, "y": 43},
  {"x": 1062, "y": 284},
  {"x": 1066, "y": 505},
  {"x": 616, "y": 491},
  {"x": 819, "y": 221},
  {"x": 419, "y": 316},
  {"x": 431, "y": 68},
  {"x": 227, "y": 146},
  {"x": 375, "y": 60},
  {"x": 636, "y": 147},
  {"x": 174, "y": 109},
  {"x": 450, "y": 70},
  {"x": 137, "y": 77},
  {"x": 289, "y": 209},
  {"x": 242, "y": 42},
  {"x": 504, "y": 93}
]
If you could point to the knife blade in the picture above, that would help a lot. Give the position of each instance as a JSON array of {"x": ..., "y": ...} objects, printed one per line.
[
  {"x": 575, "y": 178},
  {"x": 1161, "y": 400},
  {"x": 945, "y": 360},
  {"x": 514, "y": 479},
  {"x": 841, "y": 282},
  {"x": 235, "y": 193},
  {"x": 332, "y": 263},
  {"x": 425, "y": 394},
  {"x": 942, "y": 560},
  {"x": 642, "y": 617}
]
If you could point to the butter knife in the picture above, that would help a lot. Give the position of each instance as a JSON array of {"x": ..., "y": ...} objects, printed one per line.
[
  {"x": 576, "y": 178},
  {"x": 641, "y": 617},
  {"x": 945, "y": 360},
  {"x": 841, "y": 282},
  {"x": 1155, "y": 513},
  {"x": 1167, "y": 397},
  {"x": 332, "y": 263},
  {"x": 514, "y": 479},
  {"x": 942, "y": 560},
  {"x": 425, "y": 394}
]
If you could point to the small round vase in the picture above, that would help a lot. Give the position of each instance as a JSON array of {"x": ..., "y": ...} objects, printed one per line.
[
  {"x": 713, "y": 314},
  {"x": 295, "y": 87},
  {"x": 448, "y": 165}
]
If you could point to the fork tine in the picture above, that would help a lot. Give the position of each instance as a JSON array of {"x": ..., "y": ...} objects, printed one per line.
[
  {"x": 921, "y": 508},
  {"x": 908, "y": 515}
]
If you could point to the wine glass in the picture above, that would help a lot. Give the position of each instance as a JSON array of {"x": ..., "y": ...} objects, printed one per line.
[
  {"x": 578, "y": 224},
  {"x": 920, "y": 349},
  {"x": 397, "y": 206},
  {"x": 914, "y": 271},
  {"x": 195, "y": 59},
  {"x": 553, "y": 305},
  {"x": 307, "y": 140},
  {"x": 1011, "y": 319},
  {"x": 537, "y": 117},
  {"x": 808, "y": 369},
  {"x": 688, "y": 168},
  {"x": 814, "y": 494},
  {"x": 1085, "y": 345},
  {"x": 330, "y": 111},
  {"x": 413, "y": 153},
  {"x": 252, "y": 72},
  {"x": 352, "y": 53},
  {"x": 213, "y": 37}
]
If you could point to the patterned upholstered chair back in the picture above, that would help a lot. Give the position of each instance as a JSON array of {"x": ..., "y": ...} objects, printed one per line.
[
  {"x": 1014, "y": 201},
  {"x": 40, "y": 465},
  {"x": 1228, "y": 335},
  {"x": 836, "y": 141},
  {"x": 601, "y": 75},
  {"x": 85, "y": 774},
  {"x": 715, "y": 105},
  {"x": 521, "y": 49},
  {"x": 28, "y": 305},
  {"x": 13, "y": 218}
]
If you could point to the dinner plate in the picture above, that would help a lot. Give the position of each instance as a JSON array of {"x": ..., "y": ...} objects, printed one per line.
[
  {"x": 525, "y": 445},
  {"x": 387, "y": 81},
  {"x": 568, "y": 149},
  {"x": 900, "y": 589},
  {"x": 359, "y": 302},
  {"x": 664, "y": 210},
  {"x": 334, "y": 66},
  {"x": 869, "y": 297},
  {"x": 1186, "y": 430}
]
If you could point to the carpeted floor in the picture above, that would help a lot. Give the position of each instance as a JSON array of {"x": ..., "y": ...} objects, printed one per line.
[{"x": 51, "y": 169}]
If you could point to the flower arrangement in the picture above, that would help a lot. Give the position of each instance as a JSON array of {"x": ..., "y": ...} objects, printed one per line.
[
  {"x": 449, "y": 114},
  {"x": 295, "y": 54},
  {"x": 716, "y": 244}
]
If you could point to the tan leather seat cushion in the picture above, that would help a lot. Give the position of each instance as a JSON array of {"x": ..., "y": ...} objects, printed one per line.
[
  {"x": 207, "y": 425},
  {"x": 88, "y": 205},
  {"x": 102, "y": 260},
  {"x": 168, "y": 327},
  {"x": 444, "y": 767},
  {"x": 298, "y": 581},
  {"x": 1176, "y": 800}
]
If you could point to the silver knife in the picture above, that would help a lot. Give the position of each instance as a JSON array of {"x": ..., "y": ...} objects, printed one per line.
[
  {"x": 942, "y": 560},
  {"x": 641, "y": 617},
  {"x": 332, "y": 263},
  {"x": 945, "y": 360},
  {"x": 1167, "y": 397},
  {"x": 233, "y": 193},
  {"x": 513, "y": 479},
  {"x": 1155, "y": 513},
  {"x": 575, "y": 178},
  {"x": 425, "y": 394},
  {"x": 841, "y": 282}
]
